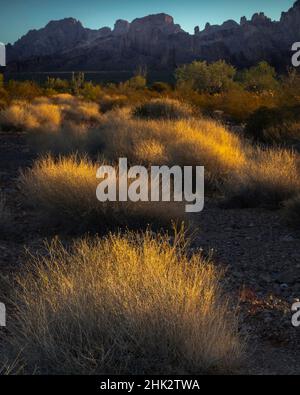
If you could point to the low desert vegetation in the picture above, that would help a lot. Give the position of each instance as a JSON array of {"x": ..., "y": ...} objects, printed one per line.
[
  {"x": 182, "y": 142},
  {"x": 269, "y": 178},
  {"x": 124, "y": 304},
  {"x": 140, "y": 302},
  {"x": 64, "y": 191},
  {"x": 48, "y": 114},
  {"x": 163, "y": 109},
  {"x": 24, "y": 116},
  {"x": 275, "y": 126},
  {"x": 247, "y": 175}
]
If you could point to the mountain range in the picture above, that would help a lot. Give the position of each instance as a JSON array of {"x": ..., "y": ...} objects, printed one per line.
[{"x": 157, "y": 42}]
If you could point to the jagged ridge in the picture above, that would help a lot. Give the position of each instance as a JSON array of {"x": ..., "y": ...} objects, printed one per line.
[{"x": 155, "y": 41}]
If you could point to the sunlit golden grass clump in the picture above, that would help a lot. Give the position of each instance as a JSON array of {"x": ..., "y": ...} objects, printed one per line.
[
  {"x": 122, "y": 305},
  {"x": 24, "y": 116},
  {"x": 163, "y": 109},
  {"x": 191, "y": 142},
  {"x": 270, "y": 177},
  {"x": 48, "y": 114},
  {"x": 110, "y": 102},
  {"x": 65, "y": 191}
]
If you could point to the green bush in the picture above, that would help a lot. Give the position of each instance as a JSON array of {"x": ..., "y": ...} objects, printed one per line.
[
  {"x": 259, "y": 78},
  {"x": 203, "y": 77}
]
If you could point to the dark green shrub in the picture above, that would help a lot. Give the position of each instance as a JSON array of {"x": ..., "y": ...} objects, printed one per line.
[{"x": 275, "y": 125}]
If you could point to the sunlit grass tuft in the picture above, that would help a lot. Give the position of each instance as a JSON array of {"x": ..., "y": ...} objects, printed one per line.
[
  {"x": 64, "y": 190},
  {"x": 122, "y": 305}
]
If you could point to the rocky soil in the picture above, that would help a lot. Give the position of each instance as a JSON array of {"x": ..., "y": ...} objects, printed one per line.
[{"x": 260, "y": 253}]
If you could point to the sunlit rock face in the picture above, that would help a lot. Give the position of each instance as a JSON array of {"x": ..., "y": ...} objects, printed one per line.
[{"x": 157, "y": 42}]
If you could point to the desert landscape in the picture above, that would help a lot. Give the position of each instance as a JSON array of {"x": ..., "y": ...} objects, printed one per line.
[{"x": 143, "y": 287}]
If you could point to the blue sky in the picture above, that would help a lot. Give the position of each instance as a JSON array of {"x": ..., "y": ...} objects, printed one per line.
[{"x": 19, "y": 16}]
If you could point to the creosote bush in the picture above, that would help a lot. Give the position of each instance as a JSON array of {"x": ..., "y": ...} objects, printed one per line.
[{"x": 124, "y": 304}]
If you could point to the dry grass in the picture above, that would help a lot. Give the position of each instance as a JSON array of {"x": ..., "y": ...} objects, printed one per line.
[
  {"x": 150, "y": 142},
  {"x": 48, "y": 114},
  {"x": 65, "y": 191},
  {"x": 110, "y": 102},
  {"x": 69, "y": 139},
  {"x": 24, "y": 116},
  {"x": 123, "y": 304},
  {"x": 163, "y": 109},
  {"x": 184, "y": 142},
  {"x": 247, "y": 175},
  {"x": 269, "y": 178}
]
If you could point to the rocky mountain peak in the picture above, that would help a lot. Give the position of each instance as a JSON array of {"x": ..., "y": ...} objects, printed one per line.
[
  {"x": 66, "y": 22},
  {"x": 155, "y": 41},
  {"x": 121, "y": 27}
]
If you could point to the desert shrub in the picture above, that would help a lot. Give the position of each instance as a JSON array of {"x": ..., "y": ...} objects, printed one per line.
[
  {"x": 110, "y": 102},
  {"x": 22, "y": 115},
  {"x": 204, "y": 77},
  {"x": 259, "y": 78},
  {"x": 160, "y": 87},
  {"x": 82, "y": 112},
  {"x": 237, "y": 104},
  {"x": 183, "y": 142},
  {"x": 23, "y": 90},
  {"x": 275, "y": 125},
  {"x": 57, "y": 84},
  {"x": 64, "y": 190},
  {"x": 64, "y": 99},
  {"x": 137, "y": 82},
  {"x": 48, "y": 114},
  {"x": 130, "y": 304},
  {"x": 268, "y": 178},
  {"x": 91, "y": 92},
  {"x": 70, "y": 138},
  {"x": 292, "y": 211},
  {"x": 288, "y": 94},
  {"x": 163, "y": 109}
]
